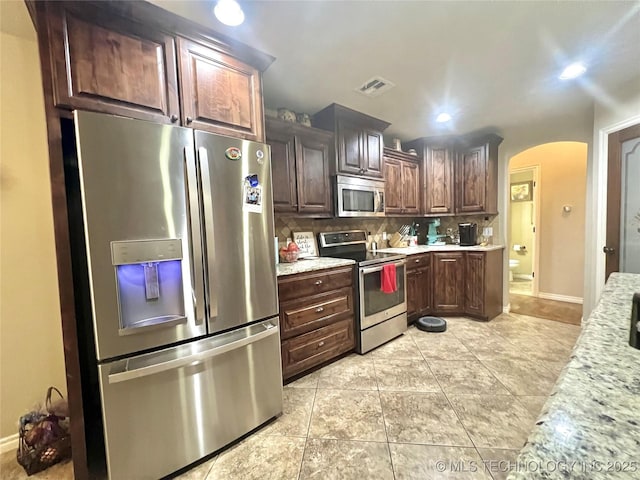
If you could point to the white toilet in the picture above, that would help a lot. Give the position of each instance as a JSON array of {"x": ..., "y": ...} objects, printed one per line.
[{"x": 513, "y": 264}]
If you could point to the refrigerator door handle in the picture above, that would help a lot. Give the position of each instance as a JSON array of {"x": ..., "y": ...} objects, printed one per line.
[
  {"x": 197, "y": 272},
  {"x": 208, "y": 233},
  {"x": 192, "y": 360}
]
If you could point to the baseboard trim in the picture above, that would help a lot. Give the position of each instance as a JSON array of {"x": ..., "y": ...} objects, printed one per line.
[
  {"x": 560, "y": 298},
  {"x": 507, "y": 308},
  {"x": 9, "y": 443}
]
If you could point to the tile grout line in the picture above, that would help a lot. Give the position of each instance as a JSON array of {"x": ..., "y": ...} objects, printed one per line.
[
  {"x": 215, "y": 460},
  {"x": 474, "y": 446},
  {"x": 449, "y": 401},
  {"x": 306, "y": 438},
  {"x": 384, "y": 423}
]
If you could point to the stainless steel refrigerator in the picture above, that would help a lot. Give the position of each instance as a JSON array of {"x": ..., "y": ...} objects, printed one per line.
[{"x": 178, "y": 229}]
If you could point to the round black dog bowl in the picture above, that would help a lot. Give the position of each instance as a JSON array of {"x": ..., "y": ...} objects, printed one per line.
[{"x": 431, "y": 324}]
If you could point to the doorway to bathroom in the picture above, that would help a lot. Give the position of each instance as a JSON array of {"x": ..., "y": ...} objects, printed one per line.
[
  {"x": 523, "y": 222},
  {"x": 545, "y": 227}
]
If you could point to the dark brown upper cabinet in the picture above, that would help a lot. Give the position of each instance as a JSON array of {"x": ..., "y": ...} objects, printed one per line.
[
  {"x": 477, "y": 175},
  {"x": 107, "y": 64},
  {"x": 358, "y": 140},
  {"x": 402, "y": 183},
  {"x": 459, "y": 174},
  {"x": 300, "y": 159},
  {"x": 132, "y": 59},
  {"x": 219, "y": 93},
  {"x": 437, "y": 171}
]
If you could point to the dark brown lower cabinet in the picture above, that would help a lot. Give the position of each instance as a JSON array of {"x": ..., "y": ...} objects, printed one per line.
[
  {"x": 448, "y": 282},
  {"x": 455, "y": 283},
  {"x": 316, "y": 318},
  {"x": 419, "y": 286},
  {"x": 483, "y": 289}
]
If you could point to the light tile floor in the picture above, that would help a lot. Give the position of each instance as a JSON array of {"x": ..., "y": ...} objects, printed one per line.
[{"x": 423, "y": 403}]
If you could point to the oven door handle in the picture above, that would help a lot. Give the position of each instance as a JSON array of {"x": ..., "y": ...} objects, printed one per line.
[{"x": 365, "y": 271}]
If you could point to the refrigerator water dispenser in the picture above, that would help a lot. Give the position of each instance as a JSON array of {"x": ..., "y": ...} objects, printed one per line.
[{"x": 149, "y": 284}]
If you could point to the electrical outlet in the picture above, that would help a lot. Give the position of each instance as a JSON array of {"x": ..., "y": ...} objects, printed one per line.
[{"x": 487, "y": 231}]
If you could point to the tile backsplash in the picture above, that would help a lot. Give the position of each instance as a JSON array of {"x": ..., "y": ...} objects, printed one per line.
[{"x": 285, "y": 225}]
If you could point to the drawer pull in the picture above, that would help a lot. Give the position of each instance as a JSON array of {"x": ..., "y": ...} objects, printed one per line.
[
  {"x": 418, "y": 261},
  {"x": 320, "y": 309},
  {"x": 318, "y": 282},
  {"x": 321, "y": 344}
]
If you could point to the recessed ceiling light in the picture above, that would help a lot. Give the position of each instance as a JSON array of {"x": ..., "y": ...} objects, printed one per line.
[
  {"x": 229, "y": 12},
  {"x": 573, "y": 71},
  {"x": 443, "y": 117}
]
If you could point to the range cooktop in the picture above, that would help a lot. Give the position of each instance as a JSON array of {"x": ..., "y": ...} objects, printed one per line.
[{"x": 352, "y": 245}]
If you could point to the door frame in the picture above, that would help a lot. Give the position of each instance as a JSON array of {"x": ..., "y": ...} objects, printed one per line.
[
  {"x": 535, "y": 260},
  {"x": 614, "y": 187},
  {"x": 595, "y": 266}
]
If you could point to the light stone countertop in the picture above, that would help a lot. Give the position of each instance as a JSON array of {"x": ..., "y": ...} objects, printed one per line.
[
  {"x": 310, "y": 265},
  {"x": 439, "y": 248},
  {"x": 592, "y": 417}
]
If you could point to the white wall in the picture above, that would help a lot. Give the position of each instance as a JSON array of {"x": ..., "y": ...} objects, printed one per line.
[
  {"x": 610, "y": 115},
  {"x": 31, "y": 353}
]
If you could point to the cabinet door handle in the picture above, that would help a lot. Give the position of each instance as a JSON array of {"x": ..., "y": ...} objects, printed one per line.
[
  {"x": 320, "y": 309},
  {"x": 189, "y": 120},
  {"x": 417, "y": 261},
  {"x": 321, "y": 344},
  {"x": 174, "y": 118},
  {"x": 318, "y": 282}
]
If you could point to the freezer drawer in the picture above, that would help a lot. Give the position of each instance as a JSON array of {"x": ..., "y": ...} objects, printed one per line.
[{"x": 165, "y": 410}]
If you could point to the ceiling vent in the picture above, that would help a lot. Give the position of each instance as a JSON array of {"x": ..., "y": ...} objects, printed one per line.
[{"x": 375, "y": 87}]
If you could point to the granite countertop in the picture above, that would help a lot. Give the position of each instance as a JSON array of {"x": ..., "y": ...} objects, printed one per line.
[
  {"x": 310, "y": 265},
  {"x": 592, "y": 417},
  {"x": 440, "y": 248}
]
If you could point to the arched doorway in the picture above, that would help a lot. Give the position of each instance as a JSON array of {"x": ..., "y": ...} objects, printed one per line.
[{"x": 545, "y": 230}]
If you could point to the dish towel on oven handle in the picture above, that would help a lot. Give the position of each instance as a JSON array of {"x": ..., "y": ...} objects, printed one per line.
[{"x": 388, "y": 278}]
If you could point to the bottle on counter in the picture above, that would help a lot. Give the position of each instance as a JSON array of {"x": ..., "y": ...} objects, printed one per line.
[{"x": 373, "y": 246}]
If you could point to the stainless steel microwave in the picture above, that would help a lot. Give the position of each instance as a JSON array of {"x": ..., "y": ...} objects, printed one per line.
[{"x": 358, "y": 197}]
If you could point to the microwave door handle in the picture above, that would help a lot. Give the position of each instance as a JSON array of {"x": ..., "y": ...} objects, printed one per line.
[
  {"x": 197, "y": 272},
  {"x": 366, "y": 271},
  {"x": 208, "y": 233}
]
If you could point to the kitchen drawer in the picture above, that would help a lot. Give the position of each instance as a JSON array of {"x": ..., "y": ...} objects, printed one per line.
[
  {"x": 308, "y": 313},
  {"x": 310, "y": 349},
  {"x": 418, "y": 261},
  {"x": 302, "y": 285}
]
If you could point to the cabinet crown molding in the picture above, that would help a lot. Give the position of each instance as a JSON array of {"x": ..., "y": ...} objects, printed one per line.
[{"x": 335, "y": 110}]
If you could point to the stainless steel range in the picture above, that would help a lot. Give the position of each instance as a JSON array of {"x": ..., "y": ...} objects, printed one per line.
[{"x": 380, "y": 316}]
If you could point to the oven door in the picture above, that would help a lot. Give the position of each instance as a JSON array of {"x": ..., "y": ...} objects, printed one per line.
[
  {"x": 360, "y": 198},
  {"x": 375, "y": 305}
]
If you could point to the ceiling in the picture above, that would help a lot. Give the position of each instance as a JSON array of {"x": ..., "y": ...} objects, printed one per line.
[{"x": 492, "y": 65}]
